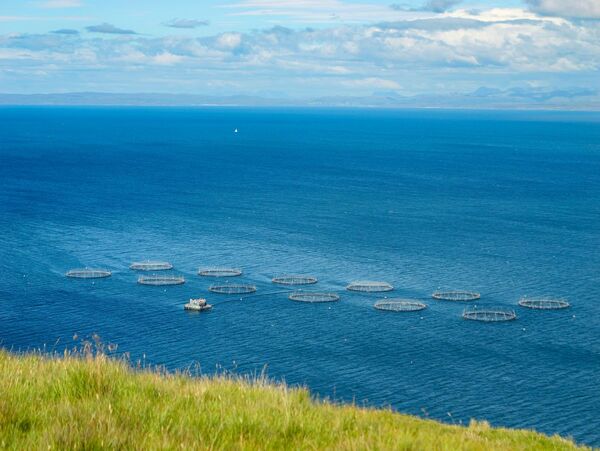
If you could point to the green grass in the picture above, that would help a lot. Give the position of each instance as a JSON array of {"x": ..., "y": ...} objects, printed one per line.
[{"x": 98, "y": 403}]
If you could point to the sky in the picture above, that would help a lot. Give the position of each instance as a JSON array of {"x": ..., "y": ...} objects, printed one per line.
[{"x": 302, "y": 48}]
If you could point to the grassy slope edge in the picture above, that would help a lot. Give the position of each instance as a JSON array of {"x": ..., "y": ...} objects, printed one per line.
[{"x": 91, "y": 403}]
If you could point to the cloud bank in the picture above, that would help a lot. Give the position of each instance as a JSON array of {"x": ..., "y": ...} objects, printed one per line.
[{"x": 457, "y": 51}]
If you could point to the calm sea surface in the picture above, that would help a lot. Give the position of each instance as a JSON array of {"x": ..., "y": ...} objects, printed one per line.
[{"x": 507, "y": 204}]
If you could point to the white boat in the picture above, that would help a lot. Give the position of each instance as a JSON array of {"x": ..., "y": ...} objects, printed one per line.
[{"x": 197, "y": 305}]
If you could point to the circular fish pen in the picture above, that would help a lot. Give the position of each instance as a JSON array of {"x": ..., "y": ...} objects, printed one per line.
[
  {"x": 88, "y": 273},
  {"x": 219, "y": 272},
  {"x": 161, "y": 280},
  {"x": 232, "y": 289},
  {"x": 151, "y": 266},
  {"x": 314, "y": 298},
  {"x": 399, "y": 305},
  {"x": 294, "y": 280},
  {"x": 369, "y": 286},
  {"x": 457, "y": 296},
  {"x": 544, "y": 304},
  {"x": 490, "y": 315}
]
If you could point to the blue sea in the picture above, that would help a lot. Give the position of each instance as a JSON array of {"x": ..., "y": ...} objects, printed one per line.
[{"x": 503, "y": 203}]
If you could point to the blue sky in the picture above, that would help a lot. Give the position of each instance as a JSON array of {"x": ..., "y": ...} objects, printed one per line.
[
  {"x": 148, "y": 17},
  {"x": 301, "y": 48}
]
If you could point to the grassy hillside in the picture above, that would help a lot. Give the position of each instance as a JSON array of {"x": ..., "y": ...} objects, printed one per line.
[{"x": 94, "y": 403}]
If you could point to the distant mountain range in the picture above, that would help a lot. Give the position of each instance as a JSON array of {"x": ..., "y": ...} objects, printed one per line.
[{"x": 482, "y": 98}]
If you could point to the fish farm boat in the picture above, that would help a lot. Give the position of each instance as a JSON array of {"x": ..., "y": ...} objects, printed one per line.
[{"x": 197, "y": 305}]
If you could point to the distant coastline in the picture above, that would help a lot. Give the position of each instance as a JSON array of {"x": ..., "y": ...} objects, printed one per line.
[{"x": 478, "y": 100}]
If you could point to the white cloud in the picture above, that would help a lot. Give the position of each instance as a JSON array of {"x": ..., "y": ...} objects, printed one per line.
[
  {"x": 229, "y": 40},
  {"x": 167, "y": 59},
  {"x": 582, "y": 9},
  {"x": 16, "y": 54},
  {"x": 372, "y": 83},
  {"x": 500, "y": 15}
]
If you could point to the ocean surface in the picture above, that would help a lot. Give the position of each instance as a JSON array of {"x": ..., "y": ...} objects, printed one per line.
[{"x": 507, "y": 204}]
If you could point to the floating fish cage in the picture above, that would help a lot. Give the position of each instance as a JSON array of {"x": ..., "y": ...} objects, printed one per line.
[
  {"x": 219, "y": 272},
  {"x": 88, "y": 273},
  {"x": 369, "y": 286},
  {"x": 544, "y": 303},
  {"x": 295, "y": 280},
  {"x": 399, "y": 305},
  {"x": 161, "y": 280},
  {"x": 232, "y": 289},
  {"x": 458, "y": 296},
  {"x": 151, "y": 266},
  {"x": 314, "y": 298},
  {"x": 490, "y": 314}
]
